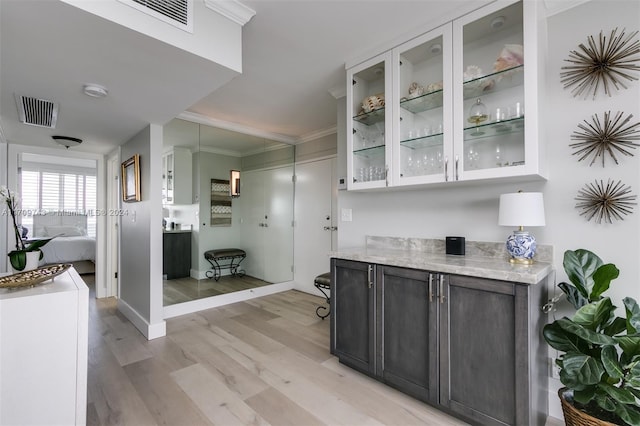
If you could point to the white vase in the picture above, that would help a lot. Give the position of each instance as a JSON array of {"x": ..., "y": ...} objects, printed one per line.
[{"x": 33, "y": 258}]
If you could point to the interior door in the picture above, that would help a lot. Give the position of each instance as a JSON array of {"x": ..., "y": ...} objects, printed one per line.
[
  {"x": 251, "y": 204},
  {"x": 314, "y": 221},
  {"x": 278, "y": 224}
]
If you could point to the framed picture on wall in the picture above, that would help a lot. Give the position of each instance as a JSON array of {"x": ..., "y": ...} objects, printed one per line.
[{"x": 131, "y": 179}]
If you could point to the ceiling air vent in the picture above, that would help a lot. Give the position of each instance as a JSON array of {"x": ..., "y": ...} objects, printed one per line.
[
  {"x": 175, "y": 12},
  {"x": 37, "y": 112}
]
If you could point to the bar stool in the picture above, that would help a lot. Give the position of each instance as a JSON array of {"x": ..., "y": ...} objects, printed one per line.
[{"x": 323, "y": 282}]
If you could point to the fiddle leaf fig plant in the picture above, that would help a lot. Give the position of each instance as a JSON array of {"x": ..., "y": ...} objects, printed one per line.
[{"x": 600, "y": 360}]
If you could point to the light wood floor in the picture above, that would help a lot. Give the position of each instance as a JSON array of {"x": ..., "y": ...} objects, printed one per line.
[
  {"x": 260, "y": 362},
  {"x": 264, "y": 361},
  {"x": 181, "y": 290}
]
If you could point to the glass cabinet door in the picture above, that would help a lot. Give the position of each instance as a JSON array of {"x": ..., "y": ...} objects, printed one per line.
[
  {"x": 368, "y": 129},
  {"x": 490, "y": 96},
  {"x": 423, "y": 84}
]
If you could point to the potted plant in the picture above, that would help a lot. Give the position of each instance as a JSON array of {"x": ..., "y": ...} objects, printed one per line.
[
  {"x": 600, "y": 352},
  {"x": 18, "y": 257}
]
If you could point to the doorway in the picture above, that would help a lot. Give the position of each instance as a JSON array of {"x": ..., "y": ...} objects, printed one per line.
[
  {"x": 316, "y": 220},
  {"x": 113, "y": 198}
]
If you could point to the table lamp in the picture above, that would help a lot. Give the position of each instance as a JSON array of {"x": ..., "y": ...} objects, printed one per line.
[{"x": 521, "y": 209}]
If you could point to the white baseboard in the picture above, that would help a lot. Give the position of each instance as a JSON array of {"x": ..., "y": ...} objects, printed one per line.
[
  {"x": 150, "y": 331},
  {"x": 224, "y": 299}
]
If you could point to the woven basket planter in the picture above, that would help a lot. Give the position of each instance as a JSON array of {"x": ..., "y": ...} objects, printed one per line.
[{"x": 575, "y": 417}]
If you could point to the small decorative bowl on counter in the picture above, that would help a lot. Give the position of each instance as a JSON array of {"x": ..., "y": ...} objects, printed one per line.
[{"x": 34, "y": 277}]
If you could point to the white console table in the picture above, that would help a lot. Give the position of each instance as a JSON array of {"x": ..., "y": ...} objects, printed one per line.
[{"x": 43, "y": 352}]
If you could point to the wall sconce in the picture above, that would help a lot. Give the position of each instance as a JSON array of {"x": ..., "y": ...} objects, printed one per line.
[
  {"x": 521, "y": 209},
  {"x": 234, "y": 183}
]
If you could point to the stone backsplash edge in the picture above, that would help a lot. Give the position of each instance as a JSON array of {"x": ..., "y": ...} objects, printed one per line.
[{"x": 472, "y": 248}]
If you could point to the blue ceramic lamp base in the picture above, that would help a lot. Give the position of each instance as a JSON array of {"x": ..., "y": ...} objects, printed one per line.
[{"x": 521, "y": 246}]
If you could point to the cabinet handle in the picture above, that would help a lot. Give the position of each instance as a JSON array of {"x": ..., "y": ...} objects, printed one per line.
[
  {"x": 386, "y": 175},
  {"x": 457, "y": 176},
  {"x": 446, "y": 169},
  {"x": 369, "y": 276},
  {"x": 334, "y": 228},
  {"x": 327, "y": 228},
  {"x": 442, "y": 298},
  {"x": 430, "y": 287}
]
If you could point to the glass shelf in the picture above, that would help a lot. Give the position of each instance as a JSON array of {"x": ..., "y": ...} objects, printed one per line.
[
  {"x": 490, "y": 130},
  {"x": 497, "y": 81},
  {"x": 424, "y": 142},
  {"x": 373, "y": 151},
  {"x": 369, "y": 118},
  {"x": 424, "y": 102}
]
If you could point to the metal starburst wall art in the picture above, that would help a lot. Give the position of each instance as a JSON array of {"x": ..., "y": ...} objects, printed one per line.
[
  {"x": 610, "y": 136},
  {"x": 605, "y": 202},
  {"x": 608, "y": 62}
]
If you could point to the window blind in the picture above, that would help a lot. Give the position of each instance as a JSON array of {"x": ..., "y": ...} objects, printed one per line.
[{"x": 43, "y": 190}]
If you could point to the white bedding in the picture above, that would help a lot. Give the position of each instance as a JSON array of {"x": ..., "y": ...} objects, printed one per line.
[{"x": 69, "y": 249}]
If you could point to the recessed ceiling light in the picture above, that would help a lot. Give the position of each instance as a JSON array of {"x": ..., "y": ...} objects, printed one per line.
[
  {"x": 95, "y": 90},
  {"x": 497, "y": 22},
  {"x": 67, "y": 141}
]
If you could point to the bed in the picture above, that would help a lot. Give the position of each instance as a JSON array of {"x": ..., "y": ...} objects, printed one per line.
[{"x": 71, "y": 243}]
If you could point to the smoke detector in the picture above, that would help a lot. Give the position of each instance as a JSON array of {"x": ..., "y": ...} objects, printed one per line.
[
  {"x": 95, "y": 90},
  {"x": 67, "y": 141}
]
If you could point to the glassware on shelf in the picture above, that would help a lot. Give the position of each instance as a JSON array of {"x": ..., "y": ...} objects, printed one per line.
[{"x": 477, "y": 114}]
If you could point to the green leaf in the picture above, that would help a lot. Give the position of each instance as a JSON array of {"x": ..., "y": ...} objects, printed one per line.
[
  {"x": 586, "y": 395},
  {"x": 580, "y": 265},
  {"x": 594, "y": 314},
  {"x": 621, "y": 395},
  {"x": 602, "y": 278},
  {"x": 629, "y": 414},
  {"x": 618, "y": 325},
  {"x": 37, "y": 244},
  {"x": 573, "y": 295},
  {"x": 605, "y": 402},
  {"x": 559, "y": 339},
  {"x": 609, "y": 357},
  {"x": 18, "y": 259},
  {"x": 633, "y": 315},
  {"x": 630, "y": 344},
  {"x": 584, "y": 333},
  {"x": 582, "y": 369}
]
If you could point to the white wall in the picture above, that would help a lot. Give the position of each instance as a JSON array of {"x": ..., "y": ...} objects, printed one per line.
[
  {"x": 215, "y": 37},
  {"x": 472, "y": 211},
  {"x": 141, "y": 239}
]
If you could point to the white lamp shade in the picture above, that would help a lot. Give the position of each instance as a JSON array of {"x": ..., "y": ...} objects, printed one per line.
[{"x": 521, "y": 209}]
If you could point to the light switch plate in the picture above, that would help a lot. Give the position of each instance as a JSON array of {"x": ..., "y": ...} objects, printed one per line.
[{"x": 346, "y": 215}]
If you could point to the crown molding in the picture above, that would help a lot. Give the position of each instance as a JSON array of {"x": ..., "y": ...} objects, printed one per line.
[
  {"x": 317, "y": 135},
  {"x": 553, "y": 7},
  {"x": 231, "y": 9},
  {"x": 338, "y": 91},
  {"x": 240, "y": 128},
  {"x": 213, "y": 150}
]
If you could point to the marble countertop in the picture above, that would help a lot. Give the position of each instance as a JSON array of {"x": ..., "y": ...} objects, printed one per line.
[{"x": 497, "y": 268}]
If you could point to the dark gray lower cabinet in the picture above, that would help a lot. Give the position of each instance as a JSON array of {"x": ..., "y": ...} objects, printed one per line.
[
  {"x": 470, "y": 346},
  {"x": 407, "y": 332},
  {"x": 176, "y": 254},
  {"x": 353, "y": 308}
]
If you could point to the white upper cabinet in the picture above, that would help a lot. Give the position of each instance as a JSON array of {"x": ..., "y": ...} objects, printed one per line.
[
  {"x": 459, "y": 103},
  {"x": 177, "y": 176},
  {"x": 422, "y": 110},
  {"x": 369, "y": 106}
]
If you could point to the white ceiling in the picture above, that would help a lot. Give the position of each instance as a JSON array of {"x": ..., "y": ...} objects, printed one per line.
[{"x": 294, "y": 53}]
